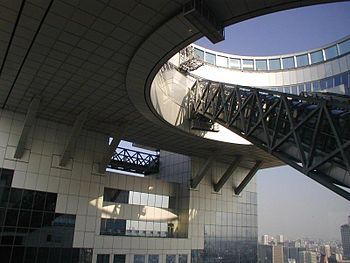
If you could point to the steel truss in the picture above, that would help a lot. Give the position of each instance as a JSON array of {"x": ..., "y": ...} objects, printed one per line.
[
  {"x": 134, "y": 161},
  {"x": 309, "y": 133}
]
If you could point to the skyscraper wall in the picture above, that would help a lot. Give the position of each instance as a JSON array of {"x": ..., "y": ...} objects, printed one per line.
[{"x": 345, "y": 238}]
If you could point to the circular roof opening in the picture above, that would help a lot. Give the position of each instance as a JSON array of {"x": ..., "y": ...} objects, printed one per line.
[{"x": 286, "y": 32}]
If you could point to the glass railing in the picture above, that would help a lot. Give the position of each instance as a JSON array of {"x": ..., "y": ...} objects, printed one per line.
[{"x": 274, "y": 63}]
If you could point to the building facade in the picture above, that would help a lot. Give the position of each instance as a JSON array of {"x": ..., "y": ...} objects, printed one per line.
[{"x": 345, "y": 238}]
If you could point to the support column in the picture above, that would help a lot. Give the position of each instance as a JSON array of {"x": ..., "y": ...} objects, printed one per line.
[
  {"x": 233, "y": 166},
  {"x": 77, "y": 127},
  {"x": 202, "y": 172},
  {"x": 28, "y": 124},
  {"x": 247, "y": 179}
]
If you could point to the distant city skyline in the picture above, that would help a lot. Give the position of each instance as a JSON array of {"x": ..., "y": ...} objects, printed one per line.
[{"x": 289, "y": 203}]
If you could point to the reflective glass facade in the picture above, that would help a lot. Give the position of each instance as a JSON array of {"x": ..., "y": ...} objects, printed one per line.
[
  {"x": 338, "y": 83},
  {"x": 233, "y": 236},
  {"x": 31, "y": 231}
]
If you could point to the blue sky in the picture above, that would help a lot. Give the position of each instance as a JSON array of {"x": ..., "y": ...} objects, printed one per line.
[{"x": 290, "y": 203}]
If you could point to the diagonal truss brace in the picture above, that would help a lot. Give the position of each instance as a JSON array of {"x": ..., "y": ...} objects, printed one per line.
[
  {"x": 247, "y": 178},
  {"x": 229, "y": 171},
  {"x": 194, "y": 182},
  {"x": 77, "y": 127},
  {"x": 28, "y": 124}
]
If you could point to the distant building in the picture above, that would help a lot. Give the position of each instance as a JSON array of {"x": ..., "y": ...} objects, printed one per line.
[
  {"x": 265, "y": 253},
  {"x": 345, "y": 238},
  {"x": 265, "y": 239},
  {"x": 279, "y": 239},
  {"x": 326, "y": 250},
  {"x": 277, "y": 253},
  {"x": 307, "y": 257}
]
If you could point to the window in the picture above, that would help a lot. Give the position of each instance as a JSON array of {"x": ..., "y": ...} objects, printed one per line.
[
  {"x": 139, "y": 259},
  {"x": 183, "y": 258},
  {"x": 316, "y": 57},
  {"x": 315, "y": 86},
  {"x": 221, "y": 61},
  {"x": 235, "y": 63},
  {"x": 210, "y": 58},
  {"x": 112, "y": 227},
  {"x": 170, "y": 258},
  {"x": 199, "y": 53},
  {"x": 119, "y": 259},
  {"x": 153, "y": 259},
  {"x": 331, "y": 52},
  {"x": 102, "y": 258},
  {"x": 248, "y": 64},
  {"x": 302, "y": 60},
  {"x": 275, "y": 64},
  {"x": 344, "y": 47},
  {"x": 261, "y": 64},
  {"x": 288, "y": 62},
  {"x": 308, "y": 87},
  {"x": 115, "y": 195}
]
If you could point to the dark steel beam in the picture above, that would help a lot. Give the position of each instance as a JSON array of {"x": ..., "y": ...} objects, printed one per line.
[
  {"x": 233, "y": 166},
  {"x": 194, "y": 182},
  {"x": 247, "y": 178}
]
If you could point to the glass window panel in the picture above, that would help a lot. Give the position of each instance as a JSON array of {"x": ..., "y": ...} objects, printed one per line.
[
  {"x": 5, "y": 177},
  {"x": 11, "y": 217},
  {"x": 300, "y": 88},
  {"x": 331, "y": 52},
  {"x": 15, "y": 198},
  {"x": 144, "y": 198},
  {"x": 153, "y": 259},
  {"x": 158, "y": 202},
  {"x": 261, "y": 64},
  {"x": 28, "y": 199},
  {"x": 170, "y": 258},
  {"x": 329, "y": 83},
  {"x": 119, "y": 259},
  {"x": 139, "y": 258},
  {"x": 199, "y": 53},
  {"x": 316, "y": 57},
  {"x": 221, "y": 61},
  {"x": 165, "y": 202},
  {"x": 50, "y": 204},
  {"x": 248, "y": 64},
  {"x": 4, "y": 196},
  {"x": 302, "y": 60},
  {"x": 315, "y": 86},
  {"x": 275, "y": 64},
  {"x": 337, "y": 80},
  {"x": 151, "y": 200},
  {"x": 102, "y": 258},
  {"x": 344, "y": 47},
  {"x": 183, "y": 258},
  {"x": 308, "y": 87},
  {"x": 39, "y": 201},
  {"x": 294, "y": 90},
  {"x": 210, "y": 58},
  {"x": 286, "y": 89},
  {"x": 115, "y": 195},
  {"x": 136, "y": 198},
  {"x": 235, "y": 63},
  {"x": 288, "y": 62}
]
